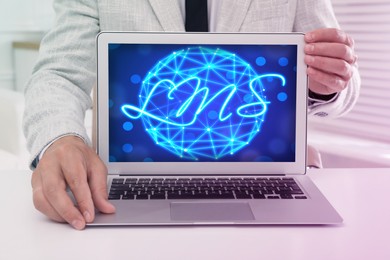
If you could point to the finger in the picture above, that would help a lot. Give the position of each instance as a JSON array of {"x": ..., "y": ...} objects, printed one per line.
[
  {"x": 53, "y": 186},
  {"x": 329, "y": 35},
  {"x": 337, "y": 67},
  {"x": 76, "y": 177},
  {"x": 75, "y": 173},
  {"x": 329, "y": 84},
  {"x": 74, "y": 169},
  {"x": 332, "y": 50},
  {"x": 98, "y": 184},
  {"x": 40, "y": 201}
]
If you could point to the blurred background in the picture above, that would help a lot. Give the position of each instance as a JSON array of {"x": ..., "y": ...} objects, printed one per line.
[{"x": 360, "y": 139}]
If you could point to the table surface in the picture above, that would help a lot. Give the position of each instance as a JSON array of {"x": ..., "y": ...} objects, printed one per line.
[{"x": 361, "y": 196}]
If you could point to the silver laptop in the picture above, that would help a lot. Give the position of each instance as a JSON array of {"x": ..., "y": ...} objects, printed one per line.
[{"x": 205, "y": 129}]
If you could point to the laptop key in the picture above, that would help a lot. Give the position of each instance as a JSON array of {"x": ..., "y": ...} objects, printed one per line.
[
  {"x": 116, "y": 193},
  {"x": 226, "y": 195},
  {"x": 131, "y": 181},
  {"x": 142, "y": 197},
  {"x": 178, "y": 196},
  {"x": 243, "y": 195},
  {"x": 258, "y": 196},
  {"x": 157, "y": 197},
  {"x": 128, "y": 197},
  {"x": 298, "y": 192},
  {"x": 286, "y": 196},
  {"x": 120, "y": 188},
  {"x": 118, "y": 180},
  {"x": 114, "y": 197}
]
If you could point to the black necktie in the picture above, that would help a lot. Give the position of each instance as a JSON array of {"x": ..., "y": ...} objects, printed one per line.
[{"x": 196, "y": 16}]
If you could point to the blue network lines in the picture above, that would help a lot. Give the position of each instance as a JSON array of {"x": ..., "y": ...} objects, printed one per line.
[{"x": 202, "y": 103}]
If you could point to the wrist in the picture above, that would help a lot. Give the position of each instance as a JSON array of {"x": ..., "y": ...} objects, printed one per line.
[{"x": 58, "y": 140}]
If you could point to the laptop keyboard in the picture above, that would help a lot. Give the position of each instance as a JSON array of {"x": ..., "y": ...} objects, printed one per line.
[{"x": 204, "y": 188}]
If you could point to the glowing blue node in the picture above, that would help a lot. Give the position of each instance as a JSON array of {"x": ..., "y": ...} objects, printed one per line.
[
  {"x": 283, "y": 62},
  {"x": 248, "y": 98},
  {"x": 261, "y": 61},
  {"x": 127, "y": 126},
  {"x": 135, "y": 79},
  {"x": 230, "y": 75},
  {"x": 196, "y": 103},
  {"x": 127, "y": 148},
  {"x": 213, "y": 115},
  {"x": 282, "y": 96}
]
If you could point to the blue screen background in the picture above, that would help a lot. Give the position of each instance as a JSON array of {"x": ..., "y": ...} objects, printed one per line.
[{"x": 129, "y": 67}]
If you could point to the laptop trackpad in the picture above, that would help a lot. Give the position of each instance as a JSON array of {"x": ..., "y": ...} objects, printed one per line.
[{"x": 211, "y": 211}]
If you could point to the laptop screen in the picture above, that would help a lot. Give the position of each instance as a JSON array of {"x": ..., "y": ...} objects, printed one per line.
[{"x": 202, "y": 103}]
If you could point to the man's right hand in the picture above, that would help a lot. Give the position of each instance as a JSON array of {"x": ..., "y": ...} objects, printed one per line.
[{"x": 69, "y": 162}]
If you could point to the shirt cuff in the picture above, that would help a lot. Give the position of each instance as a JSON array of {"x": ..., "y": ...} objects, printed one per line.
[{"x": 317, "y": 99}]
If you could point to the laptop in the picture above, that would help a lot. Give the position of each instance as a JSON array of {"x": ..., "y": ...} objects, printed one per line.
[{"x": 205, "y": 129}]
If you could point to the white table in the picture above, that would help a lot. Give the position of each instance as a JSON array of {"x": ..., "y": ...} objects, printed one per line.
[{"x": 362, "y": 197}]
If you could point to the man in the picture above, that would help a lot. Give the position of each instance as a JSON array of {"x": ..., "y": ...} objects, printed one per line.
[{"x": 59, "y": 91}]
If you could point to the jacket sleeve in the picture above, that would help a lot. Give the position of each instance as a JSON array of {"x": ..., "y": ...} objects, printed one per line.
[
  {"x": 315, "y": 14},
  {"x": 58, "y": 93}
]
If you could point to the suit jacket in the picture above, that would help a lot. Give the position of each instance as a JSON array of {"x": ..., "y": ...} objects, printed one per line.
[{"x": 58, "y": 93}]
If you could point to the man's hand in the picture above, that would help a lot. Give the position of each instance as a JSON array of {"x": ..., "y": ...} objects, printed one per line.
[
  {"x": 70, "y": 162},
  {"x": 330, "y": 58}
]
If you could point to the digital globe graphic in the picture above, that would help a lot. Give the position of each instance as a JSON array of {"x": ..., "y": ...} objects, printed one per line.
[{"x": 202, "y": 102}]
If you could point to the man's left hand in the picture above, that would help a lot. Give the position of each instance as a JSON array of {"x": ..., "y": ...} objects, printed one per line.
[{"x": 330, "y": 58}]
